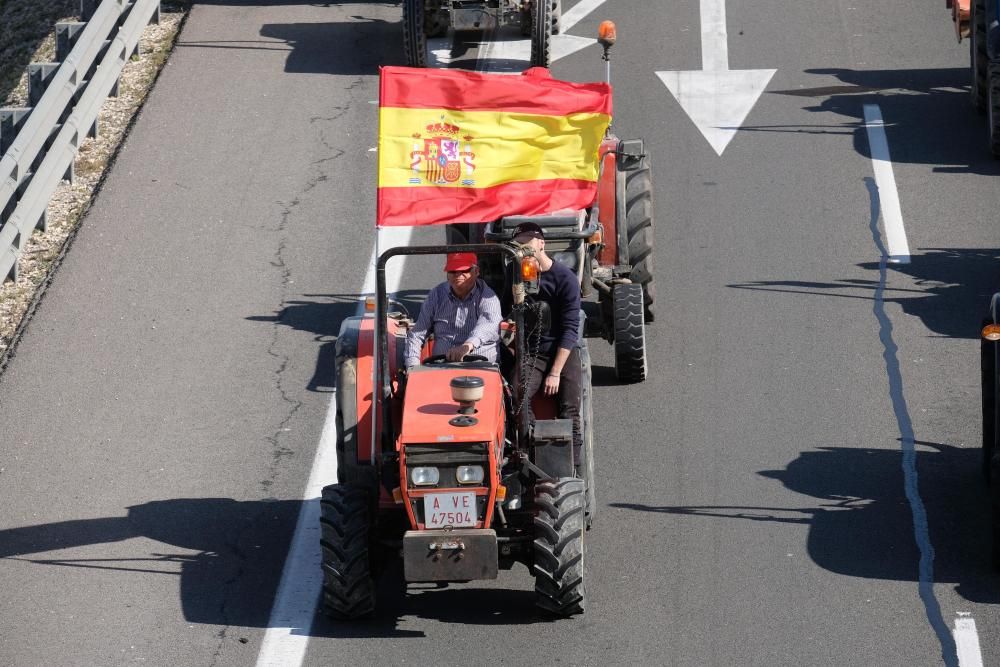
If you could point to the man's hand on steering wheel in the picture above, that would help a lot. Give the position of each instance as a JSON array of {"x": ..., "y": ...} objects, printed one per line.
[{"x": 458, "y": 352}]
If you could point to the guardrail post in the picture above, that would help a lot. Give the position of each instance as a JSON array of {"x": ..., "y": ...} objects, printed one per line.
[
  {"x": 66, "y": 35},
  {"x": 39, "y": 76},
  {"x": 11, "y": 120}
]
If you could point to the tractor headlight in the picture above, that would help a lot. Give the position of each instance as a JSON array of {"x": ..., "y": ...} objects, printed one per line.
[
  {"x": 470, "y": 474},
  {"x": 425, "y": 476}
]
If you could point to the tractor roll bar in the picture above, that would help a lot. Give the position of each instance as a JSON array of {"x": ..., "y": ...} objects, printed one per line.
[{"x": 382, "y": 307}]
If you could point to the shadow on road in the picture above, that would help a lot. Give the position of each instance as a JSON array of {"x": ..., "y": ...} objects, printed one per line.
[
  {"x": 322, "y": 315},
  {"x": 916, "y": 105},
  {"x": 863, "y": 527},
  {"x": 953, "y": 290},
  {"x": 231, "y": 560}
]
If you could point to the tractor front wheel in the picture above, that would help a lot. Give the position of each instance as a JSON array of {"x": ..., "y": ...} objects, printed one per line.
[
  {"x": 630, "y": 334},
  {"x": 541, "y": 33},
  {"x": 345, "y": 538},
  {"x": 988, "y": 359},
  {"x": 993, "y": 109},
  {"x": 414, "y": 36},
  {"x": 558, "y": 548}
]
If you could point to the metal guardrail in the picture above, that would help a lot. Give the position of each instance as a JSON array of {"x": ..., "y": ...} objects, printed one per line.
[{"x": 44, "y": 149}]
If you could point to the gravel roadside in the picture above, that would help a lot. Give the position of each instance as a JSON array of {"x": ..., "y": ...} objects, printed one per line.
[{"x": 27, "y": 35}]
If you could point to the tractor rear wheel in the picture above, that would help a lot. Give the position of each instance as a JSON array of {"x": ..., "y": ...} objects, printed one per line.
[
  {"x": 630, "y": 334},
  {"x": 414, "y": 37},
  {"x": 978, "y": 56},
  {"x": 993, "y": 109},
  {"x": 558, "y": 547},
  {"x": 587, "y": 416},
  {"x": 639, "y": 225},
  {"x": 541, "y": 33},
  {"x": 345, "y": 538}
]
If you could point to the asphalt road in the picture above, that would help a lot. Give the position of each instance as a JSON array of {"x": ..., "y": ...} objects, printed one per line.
[{"x": 806, "y": 400}]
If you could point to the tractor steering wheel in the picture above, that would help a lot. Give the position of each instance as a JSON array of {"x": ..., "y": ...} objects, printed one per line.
[{"x": 439, "y": 359}]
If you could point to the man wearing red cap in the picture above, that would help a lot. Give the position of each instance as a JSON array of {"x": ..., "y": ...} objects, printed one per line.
[{"x": 463, "y": 312}]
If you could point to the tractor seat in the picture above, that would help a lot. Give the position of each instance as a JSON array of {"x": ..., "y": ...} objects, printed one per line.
[{"x": 557, "y": 226}]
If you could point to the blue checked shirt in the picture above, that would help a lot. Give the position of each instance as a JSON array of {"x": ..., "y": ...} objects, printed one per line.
[{"x": 474, "y": 320}]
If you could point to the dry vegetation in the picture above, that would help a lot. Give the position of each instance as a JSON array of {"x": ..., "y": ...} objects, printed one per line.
[{"x": 27, "y": 35}]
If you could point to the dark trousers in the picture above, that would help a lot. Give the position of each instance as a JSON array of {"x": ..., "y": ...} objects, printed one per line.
[{"x": 568, "y": 397}]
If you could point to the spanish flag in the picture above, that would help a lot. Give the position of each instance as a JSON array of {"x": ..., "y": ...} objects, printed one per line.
[{"x": 459, "y": 146}]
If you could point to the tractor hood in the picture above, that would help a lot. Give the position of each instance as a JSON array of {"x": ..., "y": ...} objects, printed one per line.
[{"x": 428, "y": 407}]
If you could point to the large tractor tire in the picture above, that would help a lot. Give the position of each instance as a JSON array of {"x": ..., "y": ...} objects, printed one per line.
[
  {"x": 988, "y": 359},
  {"x": 541, "y": 33},
  {"x": 587, "y": 417},
  {"x": 993, "y": 110},
  {"x": 556, "y": 17},
  {"x": 630, "y": 334},
  {"x": 639, "y": 225},
  {"x": 995, "y": 509},
  {"x": 558, "y": 548},
  {"x": 978, "y": 56},
  {"x": 414, "y": 37},
  {"x": 345, "y": 538}
]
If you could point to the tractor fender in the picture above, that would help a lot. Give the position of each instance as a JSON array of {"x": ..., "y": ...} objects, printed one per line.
[
  {"x": 607, "y": 190},
  {"x": 351, "y": 469}
]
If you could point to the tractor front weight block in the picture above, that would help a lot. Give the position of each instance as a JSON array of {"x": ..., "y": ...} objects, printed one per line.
[{"x": 450, "y": 555}]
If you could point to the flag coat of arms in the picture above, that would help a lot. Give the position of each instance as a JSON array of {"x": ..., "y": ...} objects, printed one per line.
[{"x": 459, "y": 146}]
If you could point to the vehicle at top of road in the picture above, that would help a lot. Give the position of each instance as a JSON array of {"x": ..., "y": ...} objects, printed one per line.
[
  {"x": 977, "y": 20},
  {"x": 537, "y": 19},
  {"x": 440, "y": 465}
]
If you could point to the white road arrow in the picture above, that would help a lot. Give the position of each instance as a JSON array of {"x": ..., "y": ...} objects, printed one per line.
[
  {"x": 508, "y": 54},
  {"x": 716, "y": 98}
]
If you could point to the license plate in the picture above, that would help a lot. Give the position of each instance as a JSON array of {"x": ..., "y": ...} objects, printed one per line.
[{"x": 457, "y": 510}]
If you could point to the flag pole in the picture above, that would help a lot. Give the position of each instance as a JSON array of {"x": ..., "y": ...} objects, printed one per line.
[{"x": 376, "y": 392}]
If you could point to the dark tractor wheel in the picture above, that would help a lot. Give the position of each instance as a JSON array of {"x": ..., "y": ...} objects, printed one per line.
[
  {"x": 541, "y": 33},
  {"x": 993, "y": 110},
  {"x": 348, "y": 585},
  {"x": 414, "y": 35},
  {"x": 630, "y": 334},
  {"x": 639, "y": 224},
  {"x": 556, "y": 17},
  {"x": 587, "y": 415},
  {"x": 978, "y": 57},
  {"x": 988, "y": 358},
  {"x": 558, "y": 548},
  {"x": 995, "y": 510}
]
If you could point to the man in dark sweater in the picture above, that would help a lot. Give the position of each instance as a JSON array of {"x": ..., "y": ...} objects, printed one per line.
[{"x": 556, "y": 369}]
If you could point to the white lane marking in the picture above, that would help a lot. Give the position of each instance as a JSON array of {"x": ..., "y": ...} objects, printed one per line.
[
  {"x": 294, "y": 608},
  {"x": 577, "y": 13},
  {"x": 967, "y": 641},
  {"x": 892, "y": 214}
]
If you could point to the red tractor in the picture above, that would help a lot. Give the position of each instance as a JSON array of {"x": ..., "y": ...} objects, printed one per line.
[{"x": 455, "y": 479}]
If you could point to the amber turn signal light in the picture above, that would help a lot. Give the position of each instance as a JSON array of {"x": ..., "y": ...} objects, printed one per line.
[
  {"x": 607, "y": 33},
  {"x": 501, "y": 493},
  {"x": 529, "y": 269},
  {"x": 991, "y": 332}
]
